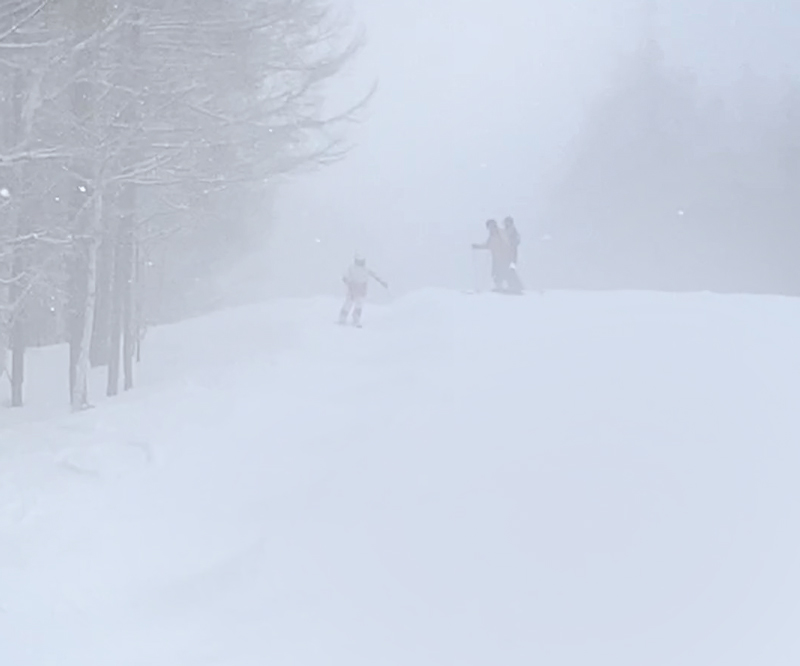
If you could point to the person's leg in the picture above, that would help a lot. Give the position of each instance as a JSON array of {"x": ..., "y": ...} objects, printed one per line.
[
  {"x": 514, "y": 283},
  {"x": 358, "y": 306},
  {"x": 497, "y": 275},
  {"x": 501, "y": 276},
  {"x": 345, "y": 311}
]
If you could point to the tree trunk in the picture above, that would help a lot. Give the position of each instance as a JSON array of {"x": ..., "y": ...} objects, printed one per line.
[
  {"x": 77, "y": 298},
  {"x": 17, "y": 360},
  {"x": 80, "y": 392},
  {"x": 78, "y": 269},
  {"x": 115, "y": 326},
  {"x": 128, "y": 319},
  {"x": 120, "y": 338},
  {"x": 18, "y": 263},
  {"x": 17, "y": 338},
  {"x": 130, "y": 201},
  {"x": 100, "y": 350}
]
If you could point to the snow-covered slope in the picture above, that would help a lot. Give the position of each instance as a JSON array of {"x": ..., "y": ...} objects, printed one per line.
[{"x": 566, "y": 479}]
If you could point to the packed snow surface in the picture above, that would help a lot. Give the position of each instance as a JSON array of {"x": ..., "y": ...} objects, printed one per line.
[{"x": 558, "y": 480}]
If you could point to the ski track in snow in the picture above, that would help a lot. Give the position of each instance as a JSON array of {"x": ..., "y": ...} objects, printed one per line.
[{"x": 565, "y": 479}]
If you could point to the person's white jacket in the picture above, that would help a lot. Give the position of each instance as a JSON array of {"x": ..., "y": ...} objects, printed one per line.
[{"x": 357, "y": 279}]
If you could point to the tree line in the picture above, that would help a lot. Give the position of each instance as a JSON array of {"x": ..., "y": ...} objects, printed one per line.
[
  {"x": 142, "y": 143},
  {"x": 675, "y": 185}
]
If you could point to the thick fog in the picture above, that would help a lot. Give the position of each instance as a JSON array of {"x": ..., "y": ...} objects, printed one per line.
[
  {"x": 480, "y": 111},
  {"x": 559, "y": 475}
]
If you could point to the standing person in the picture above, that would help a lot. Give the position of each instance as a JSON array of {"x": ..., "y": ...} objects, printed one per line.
[
  {"x": 512, "y": 236},
  {"x": 513, "y": 239},
  {"x": 500, "y": 251},
  {"x": 356, "y": 278}
]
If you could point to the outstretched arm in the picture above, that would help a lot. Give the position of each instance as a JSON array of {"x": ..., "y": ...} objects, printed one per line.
[
  {"x": 378, "y": 280},
  {"x": 482, "y": 246}
]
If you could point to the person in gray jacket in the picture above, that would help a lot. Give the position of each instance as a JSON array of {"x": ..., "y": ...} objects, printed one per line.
[
  {"x": 504, "y": 271},
  {"x": 512, "y": 236}
]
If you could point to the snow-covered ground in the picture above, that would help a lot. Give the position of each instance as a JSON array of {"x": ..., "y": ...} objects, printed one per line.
[{"x": 568, "y": 479}]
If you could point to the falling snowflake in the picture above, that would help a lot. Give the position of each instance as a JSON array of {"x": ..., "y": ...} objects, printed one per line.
[{"x": 5, "y": 193}]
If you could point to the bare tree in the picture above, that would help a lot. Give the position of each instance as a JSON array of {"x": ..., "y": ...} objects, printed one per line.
[
  {"x": 141, "y": 127},
  {"x": 23, "y": 257}
]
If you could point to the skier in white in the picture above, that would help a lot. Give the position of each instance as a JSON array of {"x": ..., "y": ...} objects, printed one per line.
[{"x": 357, "y": 279}]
